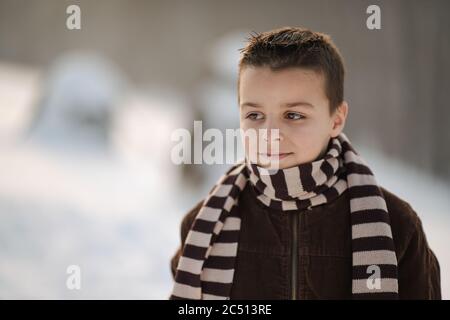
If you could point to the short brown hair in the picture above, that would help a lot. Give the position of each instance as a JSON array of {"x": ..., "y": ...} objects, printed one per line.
[{"x": 298, "y": 47}]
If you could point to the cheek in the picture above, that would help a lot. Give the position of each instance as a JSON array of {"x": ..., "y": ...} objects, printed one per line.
[
  {"x": 307, "y": 137},
  {"x": 300, "y": 132},
  {"x": 311, "y": 129},
  {"x": 246, "y": 124},
  {"x": 249, "y": 137}
]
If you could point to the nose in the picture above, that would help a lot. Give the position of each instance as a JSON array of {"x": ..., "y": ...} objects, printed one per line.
[
  {"x": 272, "y": 132},
  {"x": 272, "y": 138}
]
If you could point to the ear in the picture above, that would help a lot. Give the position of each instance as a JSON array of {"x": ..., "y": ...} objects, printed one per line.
[{"x": 339, "y": 117}]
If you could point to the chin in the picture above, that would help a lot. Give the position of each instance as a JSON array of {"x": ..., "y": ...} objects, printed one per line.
[{"x": 277, "y": 165}]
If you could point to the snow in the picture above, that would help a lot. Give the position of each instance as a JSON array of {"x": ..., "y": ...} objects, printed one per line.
[{"x": 110, "y": 202}]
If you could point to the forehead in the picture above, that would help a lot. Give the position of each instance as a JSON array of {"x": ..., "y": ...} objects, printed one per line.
[{"x": 262, "y": 83}]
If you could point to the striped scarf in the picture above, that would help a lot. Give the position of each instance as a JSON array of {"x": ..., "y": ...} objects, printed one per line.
[{"x": 206, "y": 266}]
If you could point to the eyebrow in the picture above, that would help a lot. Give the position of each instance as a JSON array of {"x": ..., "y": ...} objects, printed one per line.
[{"x": 285, "y": 105}]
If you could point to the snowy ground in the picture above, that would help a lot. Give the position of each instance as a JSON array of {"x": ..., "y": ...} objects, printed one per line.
[
  {"x": 120, "y": 225},
  {"x": 69, "y": 196}
]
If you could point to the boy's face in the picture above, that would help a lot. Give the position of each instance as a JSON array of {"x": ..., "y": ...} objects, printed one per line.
[{"x": 292, "y": 100}]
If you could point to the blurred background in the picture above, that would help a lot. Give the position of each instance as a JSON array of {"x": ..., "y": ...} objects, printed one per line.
[{"x": 86, "y": 118}]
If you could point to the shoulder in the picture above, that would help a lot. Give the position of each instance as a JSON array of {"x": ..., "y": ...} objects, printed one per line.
[
  {"x": 188, "y": 219},
  {"x": 405, "y": 221},
  {"x": 399, "y": 209}
]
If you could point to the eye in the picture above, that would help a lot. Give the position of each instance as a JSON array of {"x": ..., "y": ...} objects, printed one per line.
[
  {"x": 254, "y": 116},
  {"x": 294, "y": 116}
]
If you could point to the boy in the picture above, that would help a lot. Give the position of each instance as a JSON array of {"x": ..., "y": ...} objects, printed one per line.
[{"x": 320, "y": 227}]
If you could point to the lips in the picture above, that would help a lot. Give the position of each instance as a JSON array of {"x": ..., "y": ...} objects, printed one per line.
[{"x": 276, "y": 156}]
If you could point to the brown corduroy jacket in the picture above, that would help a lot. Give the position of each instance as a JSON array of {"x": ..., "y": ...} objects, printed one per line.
[{"x": 307, "y": 254}]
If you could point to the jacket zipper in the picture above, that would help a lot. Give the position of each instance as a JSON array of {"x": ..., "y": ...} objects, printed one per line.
[{"x": 294, "y": 257}]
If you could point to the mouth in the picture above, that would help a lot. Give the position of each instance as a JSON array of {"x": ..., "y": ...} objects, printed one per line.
[{"x": 278, "y": 156}]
